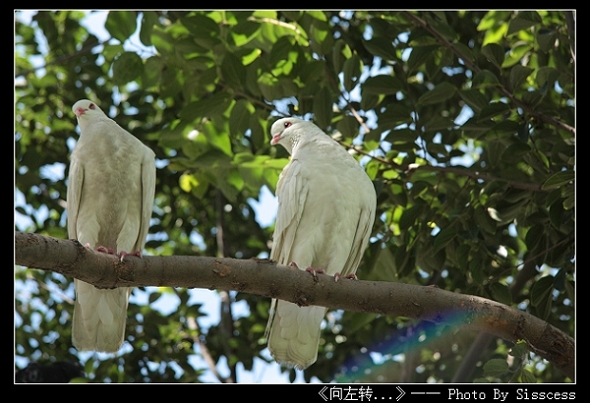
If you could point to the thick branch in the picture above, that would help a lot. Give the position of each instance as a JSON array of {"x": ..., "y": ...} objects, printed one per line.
[{"x": 267, "y": 278}]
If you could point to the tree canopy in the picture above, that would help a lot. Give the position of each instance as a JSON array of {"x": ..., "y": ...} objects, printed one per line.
[{"x": 464, "y": 120}]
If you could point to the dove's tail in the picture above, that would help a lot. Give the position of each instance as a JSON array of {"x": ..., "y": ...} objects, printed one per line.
[
  {"x": 99, "y": 318},
  {"x": 294, "y": 334}
]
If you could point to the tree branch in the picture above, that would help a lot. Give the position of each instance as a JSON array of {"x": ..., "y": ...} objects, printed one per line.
[{"x": 267, "y": 278}]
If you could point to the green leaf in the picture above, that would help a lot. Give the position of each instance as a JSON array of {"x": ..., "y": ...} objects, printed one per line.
[
  {"x": 518, "y": 75},
  {"x": 148, "y": 20},
  {"x": 121, "y": 24},
  {"x": 465, "y": 52},
  {"x": 474, "y": 99},
  {"x": 441, "y": 26},
  {"x": 534, "y": 236},
  {"x": 401, "y": 136},
  {"x": 485, "y": 78},
  {"x": 519, "y": 350},
  {"x": 239, "y": 118},
  {"x": 527, "y": 376},
  {"x": 233, "y": 71},
  {"x": 494, "y": 53},
  {"x": 443, "y": 238},
  {"x": 419, "y": 56},
  {"x": 501, "y": 293},
  {"x": 409, "y": 217},
  {"x": 352, "y": 72},
  {"x": 517, "y": 54},
  {"x": 218, "y": 138},
  {"x": 437, "y": 123},
  {"x": 515, "y": 152},
  {"x": 476, "y": 269},
  {"x": 280, "y": 50},
  {"x": 382, "y": 47},
  {"x": 492, "y": 110},
  {"x": 462, "y": 257},
  {"x": 484, "y": 221},
  {"x": 546, "y": 77},
  {"x": 152, "y": 72},
  {"x": 162, "y": 41},
  {"x": 321, "y": 38},
  {"x": 381, "y": 84},
  {"x": 340, "y": 54},
  {"x": 559, "y": 179},
  {"x": 207, "y": 107},
  {"x": 546, "y": 39},
  {"x": 532, "y": 98},
  {"x": 556, "y": 214},
  {"x": 202, "y": 27},
  {"x": 127, "y": 67},
  {"x": 541, "y": 296},
  {"x": 348, "y": 126},
  {"x": 154, "y": 296},
  {"x": 394, "y": 115},
  {"x": 495, "y": 367},
  {"x": 440, "y": 93},
  {"x": 383, "y": 269},
  {"x": 523, "y": 20},
  {"x": 322, "y": 108},
  {"x": 312, "y": 70}
]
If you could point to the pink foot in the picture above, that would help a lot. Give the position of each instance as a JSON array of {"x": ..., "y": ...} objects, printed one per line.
[
  {"x": 102, "y": 249},
  {"x": 348, "y": 276}
]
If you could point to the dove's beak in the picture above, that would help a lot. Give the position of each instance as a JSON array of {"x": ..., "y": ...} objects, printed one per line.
[
  {"x": 276, "y": 138},
  {"x": 79, "y": 111}
]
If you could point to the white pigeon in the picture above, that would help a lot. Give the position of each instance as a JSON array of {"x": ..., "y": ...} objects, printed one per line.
[
  {"x": 111, "y": 189},
  {"x": 326, "y": 212}
]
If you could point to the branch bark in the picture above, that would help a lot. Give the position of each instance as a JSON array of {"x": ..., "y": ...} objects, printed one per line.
[{"x": 267, "y": 278}]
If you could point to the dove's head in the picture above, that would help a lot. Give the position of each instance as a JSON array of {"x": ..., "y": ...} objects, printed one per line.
[
  {"x": 289, "y": 131},
  {"x": 85, "y": 109}
]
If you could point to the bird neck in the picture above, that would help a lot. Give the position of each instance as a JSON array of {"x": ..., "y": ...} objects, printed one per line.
[
  {"x": 293, "y": 142},
  {"x": 82, "y": 123}
]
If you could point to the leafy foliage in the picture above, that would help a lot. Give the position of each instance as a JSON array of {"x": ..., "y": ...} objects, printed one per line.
[{"x": 464, "y": 120}]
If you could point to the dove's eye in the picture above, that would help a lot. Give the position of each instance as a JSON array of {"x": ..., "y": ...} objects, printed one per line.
[
  {"x": 91, "y": 106},
  {"x": 287, "y": 124}
]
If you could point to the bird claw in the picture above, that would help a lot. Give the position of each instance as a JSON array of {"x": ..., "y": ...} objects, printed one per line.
[
  {"x": 351, "y": 276},
  {"x": 122, "y": 255},
  {"x": 315, "y": 272}
]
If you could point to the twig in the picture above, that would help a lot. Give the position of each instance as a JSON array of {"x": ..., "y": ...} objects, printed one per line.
[
  {"x": 63, "y": 58},
  {"x": 226, "y": 323},
  {"x": 193, "y": 325},
  {"x": 447, "y": 170}
]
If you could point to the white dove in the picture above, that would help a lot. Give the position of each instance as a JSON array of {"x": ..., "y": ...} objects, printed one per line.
[
  {"x": 326, "y": 212},
  {"x": 111, "y": 189}
]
